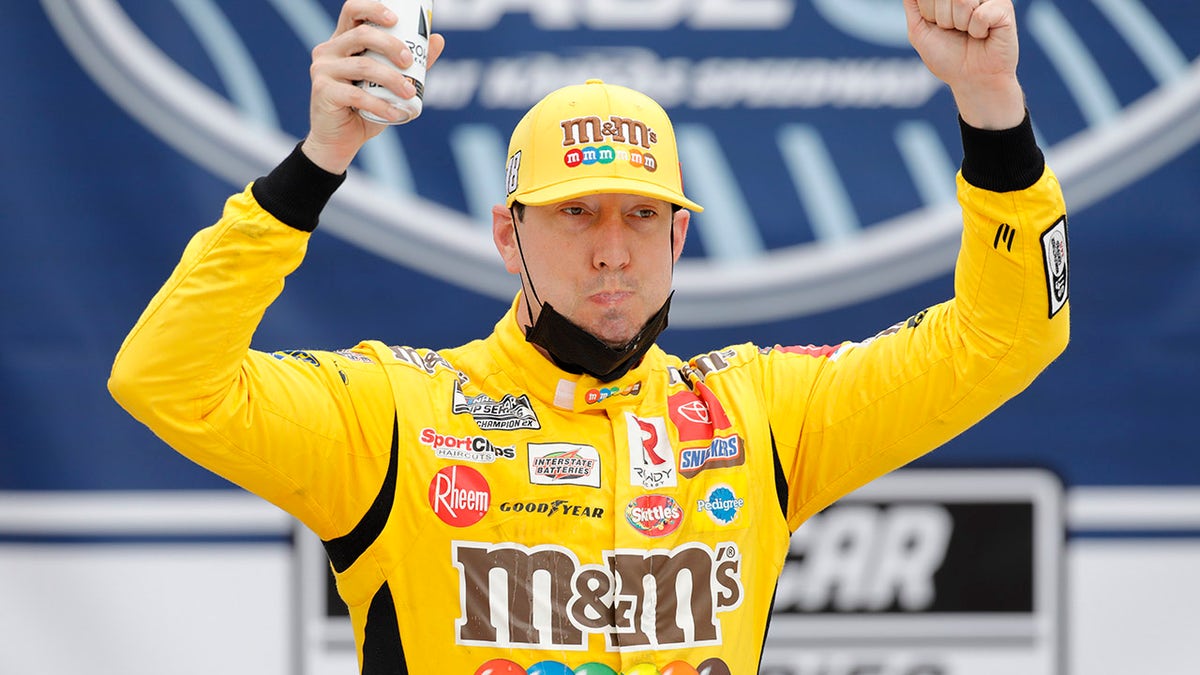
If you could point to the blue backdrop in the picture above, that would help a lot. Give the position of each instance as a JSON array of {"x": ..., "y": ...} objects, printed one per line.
[{"x": 794, "y": 135}]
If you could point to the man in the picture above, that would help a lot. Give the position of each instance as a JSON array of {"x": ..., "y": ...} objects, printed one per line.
[{"x": 562, "y": 496}]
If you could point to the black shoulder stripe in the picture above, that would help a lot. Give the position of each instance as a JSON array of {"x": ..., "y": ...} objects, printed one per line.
[
  {"x": 383, "y": 650},
  {"x": 781, "y": 484},
  {"x": 347, "y": 548},
  {"x": 767, "y": 628}
]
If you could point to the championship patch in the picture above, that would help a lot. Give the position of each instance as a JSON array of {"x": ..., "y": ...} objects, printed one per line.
[
  {"x": 510, "y": 412},
  {"x": 1054, "y": 252}
]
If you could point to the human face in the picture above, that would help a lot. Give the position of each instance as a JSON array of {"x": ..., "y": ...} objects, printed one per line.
[{"x": 603, "y": 261}]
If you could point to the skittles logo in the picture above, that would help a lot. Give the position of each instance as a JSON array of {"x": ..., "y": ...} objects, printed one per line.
[
  {"x": 712, "y": 666},
  {"x": 654, "y": 515}
]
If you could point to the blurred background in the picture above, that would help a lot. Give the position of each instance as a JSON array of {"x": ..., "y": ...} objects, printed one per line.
[{"x": 1061, "y": 535}]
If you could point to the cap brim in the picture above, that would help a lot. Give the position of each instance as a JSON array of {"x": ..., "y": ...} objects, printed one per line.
[{"x": 578, "y": 187}]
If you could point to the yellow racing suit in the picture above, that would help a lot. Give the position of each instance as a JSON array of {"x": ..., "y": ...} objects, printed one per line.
[{"x": 486, "y": 512}]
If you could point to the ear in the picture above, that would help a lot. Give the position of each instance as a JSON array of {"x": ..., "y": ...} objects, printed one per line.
[
  {"x": 505, "y": 238},
  {"x": 679, "y": 228}
]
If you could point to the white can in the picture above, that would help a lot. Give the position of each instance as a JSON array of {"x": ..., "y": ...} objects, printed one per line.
[{"x": 415, "y": 21}]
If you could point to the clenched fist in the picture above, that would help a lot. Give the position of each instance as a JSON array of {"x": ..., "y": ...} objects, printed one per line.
[{"x": 971, "y": 45}]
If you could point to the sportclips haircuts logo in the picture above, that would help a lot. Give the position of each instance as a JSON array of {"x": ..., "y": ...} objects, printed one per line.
[
  {"x": 632, "y": 599},
  {"x": 466, "y": 448},
  {"x": 785, "y": 96}
]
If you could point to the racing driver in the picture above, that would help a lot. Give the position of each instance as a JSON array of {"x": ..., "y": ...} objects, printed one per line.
[{"x": 562, "y": 496}]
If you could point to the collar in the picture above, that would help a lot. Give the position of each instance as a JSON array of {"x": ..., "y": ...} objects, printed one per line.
[{"x": 537, "y": 375}]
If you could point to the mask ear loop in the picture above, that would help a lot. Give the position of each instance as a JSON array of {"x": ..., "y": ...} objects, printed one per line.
[{"x": 529, "y": 308}]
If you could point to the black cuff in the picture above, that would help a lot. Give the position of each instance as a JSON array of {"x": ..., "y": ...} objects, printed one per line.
[
  {"x": 1001, "y": 161},
  {"x": 296, "y": 191}
]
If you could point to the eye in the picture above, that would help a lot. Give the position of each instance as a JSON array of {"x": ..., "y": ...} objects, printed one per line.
[
  {"x": 573, "y": 210},
  {"x": 645, "y": 212}
]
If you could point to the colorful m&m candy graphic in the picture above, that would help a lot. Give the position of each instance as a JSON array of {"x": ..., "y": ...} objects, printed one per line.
[{"x": 712, "y": 666}]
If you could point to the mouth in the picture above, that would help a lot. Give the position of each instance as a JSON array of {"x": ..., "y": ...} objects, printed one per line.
[{"x": 610, "y": 298}]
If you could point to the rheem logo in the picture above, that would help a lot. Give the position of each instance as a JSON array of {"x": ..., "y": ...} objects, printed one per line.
[{"x": 459, "y": 495}]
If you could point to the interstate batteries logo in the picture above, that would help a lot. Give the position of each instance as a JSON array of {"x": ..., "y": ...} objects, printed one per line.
[
  {"x": 822, "y": 149},
  {"x": 564, "y": 464}
]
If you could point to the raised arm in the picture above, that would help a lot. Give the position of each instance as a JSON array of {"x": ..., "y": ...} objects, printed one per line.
[
  {"x": 844, "y": 415},
  {"x": 281, "y": 425}
]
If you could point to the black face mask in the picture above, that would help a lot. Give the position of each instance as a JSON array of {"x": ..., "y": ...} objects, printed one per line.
[{"x": 577, "y": 351}]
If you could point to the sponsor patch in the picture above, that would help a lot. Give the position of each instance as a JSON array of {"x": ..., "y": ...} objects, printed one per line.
[
  {"x": 559, "y": 508},
  {"x": 426, "y": 360},
  {"x": 465, "y": 448},
  {"x": 722, "y": 505},
  {"x": 651, "y": 459},
  {"x": 563, "y": 464},
  {"x": 302, "y": 356},
  {"x": 654, "y": 515},
  {"x": 722, "y": 452},
  {"x": 594, "y": 396},
  {"x": 1054, "y": 251},
  {"x": 510, "y": 412},
  {"x": 354, "y": 356},
  {"x": 807, "y": 350},
  {"x": 634, "y": 598},
  {"x": 697, "y": 414},
  {"x": 459, "y": 495}
]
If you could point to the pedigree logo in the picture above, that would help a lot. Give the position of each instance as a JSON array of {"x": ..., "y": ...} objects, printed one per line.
[{"x": 459, "y": 495}]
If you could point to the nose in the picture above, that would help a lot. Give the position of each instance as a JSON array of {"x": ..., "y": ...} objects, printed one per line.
[{"x": 612, "y": 241}]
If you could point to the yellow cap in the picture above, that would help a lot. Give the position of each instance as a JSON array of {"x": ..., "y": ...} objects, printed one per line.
[{"x": 594, "y": 138}]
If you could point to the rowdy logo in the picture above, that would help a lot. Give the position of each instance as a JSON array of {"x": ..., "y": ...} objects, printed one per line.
[{"x": 651, "y": 459}]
